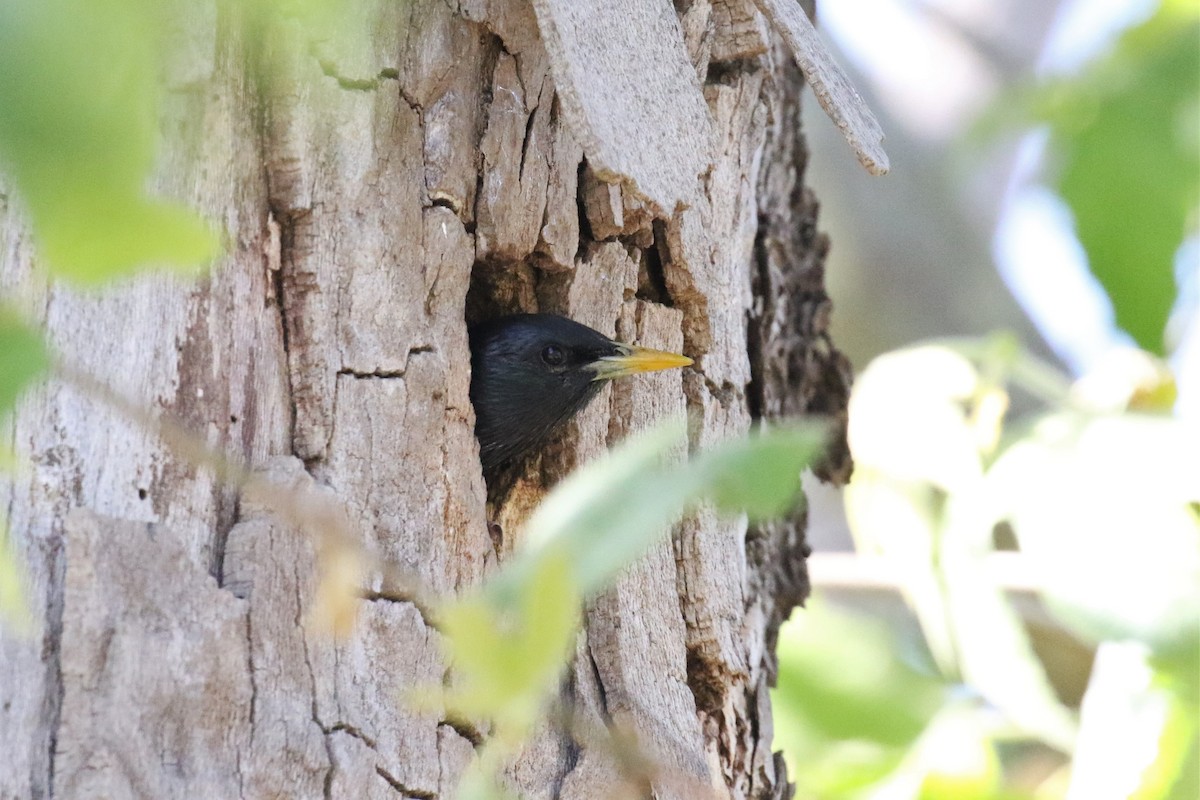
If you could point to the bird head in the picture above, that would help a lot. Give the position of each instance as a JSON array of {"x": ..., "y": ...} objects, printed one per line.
[{"x": 532, "y": 372}]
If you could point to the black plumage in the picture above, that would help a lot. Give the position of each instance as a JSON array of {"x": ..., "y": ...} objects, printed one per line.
[{"x": 532, "y": 372}]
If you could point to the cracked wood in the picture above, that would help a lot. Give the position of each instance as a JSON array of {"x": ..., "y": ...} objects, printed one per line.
[{"x": 373, "y": 193}]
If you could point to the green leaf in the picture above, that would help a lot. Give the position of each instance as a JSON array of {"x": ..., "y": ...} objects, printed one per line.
[
  {"x": 13, "y": 607},
  {"x": 509, "y": 652},
  {"x": 79, "y": 112},
  {"x": 509, "y": 642},
  {"x": 1138, "y": 736},
  {"x": 1125, "y": 137},
  {"x": 1175, "y": 771},
  {"x": 479, "y": 781},
  {"x": 550, "y": 607},
  {"x": 1120, "y": 491},
  {"x": 760, "y": 474},
  {"x": 607, "y": 514},
  {"x": 840, "y": 674},
  {"x": 846, "y": 707},
  {"x": 23, "y": 358},
  {"x": 959, "y": 759},
  {"x": 120, "y": 233}
]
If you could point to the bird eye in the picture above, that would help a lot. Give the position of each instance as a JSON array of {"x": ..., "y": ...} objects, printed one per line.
[{"x": 554, "y": 355}]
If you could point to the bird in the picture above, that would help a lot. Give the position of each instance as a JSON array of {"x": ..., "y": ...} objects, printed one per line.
[{"x": 530, "y": 373}]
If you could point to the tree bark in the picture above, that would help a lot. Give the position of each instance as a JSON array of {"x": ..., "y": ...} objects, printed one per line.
[{"x": 374, "y": 201}]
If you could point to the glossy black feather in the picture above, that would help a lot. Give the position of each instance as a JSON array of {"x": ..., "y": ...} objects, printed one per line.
[{"x": 520, "y": 396}]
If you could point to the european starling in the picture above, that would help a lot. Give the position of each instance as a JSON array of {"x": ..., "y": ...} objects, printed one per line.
[{"x": 532, "y": 372}]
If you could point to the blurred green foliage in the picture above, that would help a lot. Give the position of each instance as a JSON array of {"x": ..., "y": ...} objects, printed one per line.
[
  {"x": 79, "y": 104},
  {"x": 23, "y": 357},
  {"x": 1125, "y": 136},
  {"x": 81, "y": 89},
  {"x": 508, "y": 654},
  {"x": 1099, "y": 486},
  {"x": 14, "y": 610},
  {"x": 1048, "y": 484},
  {"x": 1104, "y": 502},
  {"x": 80, "y": 92},
  {"x": 511, "y": 640},
  {"x": 608, "y": 515},
  {"x": 757, "y": 474},
  {"x": 80, "y": 85},
  {"x": 848, "y": 707}
]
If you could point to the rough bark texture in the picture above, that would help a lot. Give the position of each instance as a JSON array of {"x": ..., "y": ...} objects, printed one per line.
[{"x": 374, "y": 200}]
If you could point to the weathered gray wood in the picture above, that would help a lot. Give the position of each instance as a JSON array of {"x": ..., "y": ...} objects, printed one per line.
[
  {"x": 397, "y": 184},
  {"x": 208, "y": 352},
  {"x": 630, "y": 94},
  {"x": 829, "y": 83},
  {"x": 153, "y": 670},
  {"x": 740, "y": 31}
]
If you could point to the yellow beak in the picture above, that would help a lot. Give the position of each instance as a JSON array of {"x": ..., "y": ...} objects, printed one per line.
[{"x": 634, "y": 359}]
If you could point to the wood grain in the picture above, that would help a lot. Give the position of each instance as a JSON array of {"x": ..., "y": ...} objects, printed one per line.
[
  {"x": 833, "y": 90},
  {"x": 430, "y": 161}
]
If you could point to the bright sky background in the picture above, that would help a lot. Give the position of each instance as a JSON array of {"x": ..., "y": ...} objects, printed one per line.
[{"x": 936, "y": 86}]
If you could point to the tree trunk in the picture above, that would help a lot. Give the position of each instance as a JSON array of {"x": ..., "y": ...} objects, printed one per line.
[{"x": 375, "y": 201}]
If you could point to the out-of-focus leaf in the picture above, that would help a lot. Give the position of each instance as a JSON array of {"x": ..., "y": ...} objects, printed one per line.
[
  {"x": 994, "y": 653},
  {"x": 336, "y": 602},
  {"x": 1125, "y": 138},
  {"x": 921, "y": 422},
  {"x": 1175, "y": 772},
  {"x": 605, "y": 515},
  {"x": 909, "y": 416},
  {"x": 550, "y": 608},
  {"x": 509, "y": 652},
  {"x": 957, "y": 759},
  {"x": 23, "y": 357},
  {"x": 510, "y": 641},
  {"x": 845, "y": 707},
  {"x": 840, "y": 673},
  {"x": 898, "y": 521},
  {"x": 760, "y": 474},
  {"x": 1127, "y": 378},
  {"x": 79, "y": 95},
  {"x": 1105, "y": 503},
  {"x": 913, "y": 441},
  {"x": 92, "y": 243},
  {"x": 13, "y": 608},
  {"x": 479, "y": 780},
  {"x": 1125, "y": 717}
]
